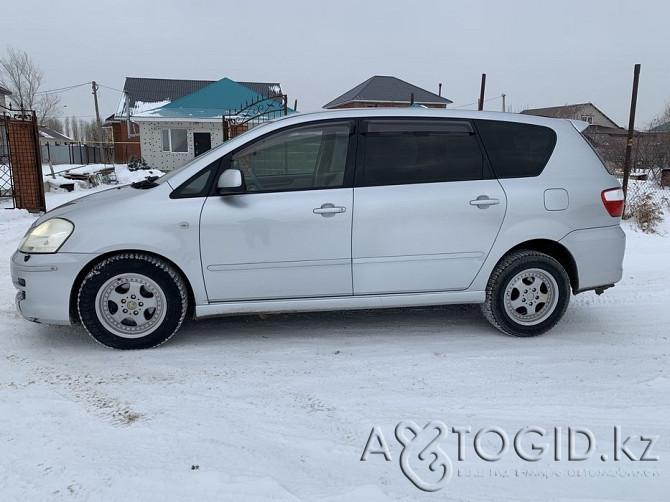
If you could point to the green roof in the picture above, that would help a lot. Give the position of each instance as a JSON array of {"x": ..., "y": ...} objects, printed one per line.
[
  {"x": 223, "y": 97},
  {"x": 224, "y": 94}
]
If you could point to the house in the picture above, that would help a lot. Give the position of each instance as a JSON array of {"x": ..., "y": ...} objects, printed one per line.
[
  {"x": 54, "y": 138},
  {"x": 142, "y": 94},
  {"x": 586, "y": 112},
  {"x": 3, "y": 93},
  {"x": 385, "y": 91},
  {"x": 178, "y": 131}
]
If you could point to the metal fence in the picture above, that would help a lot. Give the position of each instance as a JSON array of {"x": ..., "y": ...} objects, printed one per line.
[
  {"x": 77, "y": 154},
  {"x": 649, "y": 182},
  {"x": 6, "y": 181}
]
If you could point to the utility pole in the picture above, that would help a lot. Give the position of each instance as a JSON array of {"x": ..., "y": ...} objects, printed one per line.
[
  {"x": 631, "y": 132},
  {"x": 481, "y": 93},
  {"x": 98, "y": 124},
  {"x": 503, "y": 96},
  {"x": 95, "y": 99}
]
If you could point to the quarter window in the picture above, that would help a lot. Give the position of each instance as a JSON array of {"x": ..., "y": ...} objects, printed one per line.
[
  {"x": 420, "y": 151},
  {"x": 174, "y": 140},
  {"x": 199, "y": 184},
  {"x": 300, "y": 158},
  {"x": 516, "y": 150}
]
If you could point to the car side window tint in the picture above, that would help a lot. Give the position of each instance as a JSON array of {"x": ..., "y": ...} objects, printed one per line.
[
  {"x": 516, "y": 150},
  {"x": 420, "y": 151},
  {"x": 199, "y": 184},
  {"x": 300, "y": 158}
]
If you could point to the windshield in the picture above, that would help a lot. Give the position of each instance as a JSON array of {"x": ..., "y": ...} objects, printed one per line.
[{"x": 174, "y": 172}]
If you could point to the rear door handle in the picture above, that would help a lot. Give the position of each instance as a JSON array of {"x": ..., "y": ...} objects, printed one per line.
[
  {"x": 328, "y": 210},
  {"x": 483, "y": 202}
]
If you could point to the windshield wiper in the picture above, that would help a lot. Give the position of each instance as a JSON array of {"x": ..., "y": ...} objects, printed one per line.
[{"x": 150, "y": 182}]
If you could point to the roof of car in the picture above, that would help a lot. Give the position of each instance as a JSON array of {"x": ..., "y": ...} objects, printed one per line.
[{"x": 403, "y": 112}]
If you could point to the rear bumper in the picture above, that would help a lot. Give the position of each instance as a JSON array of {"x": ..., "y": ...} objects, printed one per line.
[
  {"x": 598, "y": 253},
  {"x": 44, "y": 284}
]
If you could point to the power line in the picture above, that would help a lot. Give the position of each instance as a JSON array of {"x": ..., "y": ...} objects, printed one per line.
[
  {"x": 111, "y": 88},
  {"x": 476, "y": 102},
  {"x": 63, "y": 89}
]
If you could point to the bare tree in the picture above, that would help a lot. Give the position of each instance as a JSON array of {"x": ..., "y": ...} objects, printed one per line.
[
  {"x": 23, "y": 79},
  {"x": 47, "y": 107},
  {"x": 661, "y": 118},
  {"x": 55, "y": 125},
  {"x": 76, "y": 133},
  {"x": 67, "y": 128}
]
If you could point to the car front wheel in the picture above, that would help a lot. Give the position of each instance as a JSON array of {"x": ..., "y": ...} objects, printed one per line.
[
  {"x": 132, "y": 301},
  {"x": 527, "y": 294}
]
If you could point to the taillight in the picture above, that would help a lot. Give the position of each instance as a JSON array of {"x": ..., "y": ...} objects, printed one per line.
[{"x": 613, "y": 200}]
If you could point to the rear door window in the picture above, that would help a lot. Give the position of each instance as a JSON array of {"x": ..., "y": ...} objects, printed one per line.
[
  {"x": 516, "y": 150},
  {"x": 406, "y": 151}
]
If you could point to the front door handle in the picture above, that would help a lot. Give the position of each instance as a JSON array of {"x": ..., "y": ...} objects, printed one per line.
[
  {"x": 328, "y": 210},
  {"x": 483, "y": 202}
]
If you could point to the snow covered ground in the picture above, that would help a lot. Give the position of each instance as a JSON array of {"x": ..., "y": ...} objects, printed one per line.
[
  {"x": 281, "y": 408},
  {"x": 124, "y": 176}
]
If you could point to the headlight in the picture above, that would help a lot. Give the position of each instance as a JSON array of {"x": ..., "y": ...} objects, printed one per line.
[{"x": 47, "y": 237}]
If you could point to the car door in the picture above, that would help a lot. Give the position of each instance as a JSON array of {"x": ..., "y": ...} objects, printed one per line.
[
  {"x": 428, "y": 209},
  {"x": 289, "y": 234}
]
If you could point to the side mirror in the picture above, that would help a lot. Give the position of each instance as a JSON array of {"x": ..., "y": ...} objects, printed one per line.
[{"x": 231, "y": 181}]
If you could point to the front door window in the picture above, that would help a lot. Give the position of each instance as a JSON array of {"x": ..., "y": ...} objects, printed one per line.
[{"x": 299, "y": 159}]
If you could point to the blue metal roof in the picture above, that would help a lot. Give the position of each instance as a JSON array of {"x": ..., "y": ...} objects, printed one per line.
[
  {"x": 224, "y": 94},
  {"x": 224, "y": 97}
]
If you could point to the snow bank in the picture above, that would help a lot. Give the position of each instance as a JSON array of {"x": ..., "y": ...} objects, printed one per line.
[{"x": 280, "y": 408}]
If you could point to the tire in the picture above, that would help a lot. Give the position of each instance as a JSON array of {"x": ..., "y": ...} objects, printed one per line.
[
  {"x": 527, "y": 294},
  {"x": 132, "y": 301}
]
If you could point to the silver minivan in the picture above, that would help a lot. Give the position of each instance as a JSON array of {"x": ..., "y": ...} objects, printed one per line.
[{"x": 349, "y": 209}]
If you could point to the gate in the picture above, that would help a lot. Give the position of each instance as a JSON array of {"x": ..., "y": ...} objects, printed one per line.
[
  {"x": 252, "y": 114},
  {"x": 6, "y": 179},
  {"x": 21, "y": 160}
]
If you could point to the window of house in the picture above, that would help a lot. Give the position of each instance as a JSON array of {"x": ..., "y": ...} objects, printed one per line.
[
  {"x": 299, "y": 158},
  {"x": 174, "y": 140},
  {"x": 420, "y": 151},
  {"x": 588, "y": 118}
]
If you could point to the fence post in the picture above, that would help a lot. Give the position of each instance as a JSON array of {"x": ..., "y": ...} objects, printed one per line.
[{"x": 631, "y": 132}]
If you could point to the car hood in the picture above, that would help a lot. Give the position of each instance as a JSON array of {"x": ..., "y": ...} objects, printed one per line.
[{"x": 111, "y": 198}]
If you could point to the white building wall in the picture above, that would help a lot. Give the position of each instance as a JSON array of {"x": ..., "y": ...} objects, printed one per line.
[{"x": 151, "y": 142}]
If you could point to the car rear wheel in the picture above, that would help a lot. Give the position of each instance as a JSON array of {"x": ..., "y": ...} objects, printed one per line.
[
  {"x": 527, "y": 294},
  {"x": 132, "y": 301}
]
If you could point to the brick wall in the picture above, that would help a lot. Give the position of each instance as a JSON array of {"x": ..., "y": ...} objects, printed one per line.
[
  {"x": 26, "y": 165},
  {"x": 125, "y": 147}
]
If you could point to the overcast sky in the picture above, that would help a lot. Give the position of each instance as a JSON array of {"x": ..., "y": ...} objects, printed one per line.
[{"x": 538, "y": 53}]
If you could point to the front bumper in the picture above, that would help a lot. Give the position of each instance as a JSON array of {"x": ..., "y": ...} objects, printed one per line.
[{"x": 45, "y": 283}]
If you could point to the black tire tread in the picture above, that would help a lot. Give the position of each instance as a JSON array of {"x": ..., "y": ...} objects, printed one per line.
[
  {"x": 86, "y": 303},
  {"x": 501, "y": 268}
]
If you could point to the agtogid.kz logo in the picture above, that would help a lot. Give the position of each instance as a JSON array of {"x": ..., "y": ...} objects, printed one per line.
[{"x": 425, "y": 463}]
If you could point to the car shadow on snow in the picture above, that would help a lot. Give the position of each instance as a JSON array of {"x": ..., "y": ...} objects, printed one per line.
[
  {"x": 422, "y": 323},
  {"x": 461, "y": 320}
]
